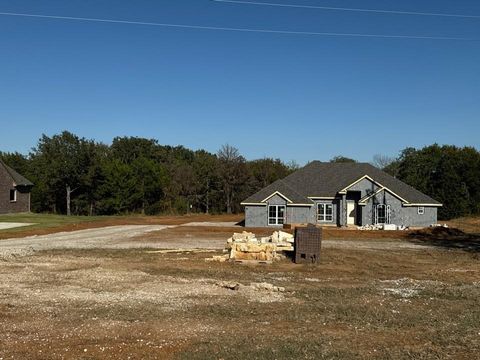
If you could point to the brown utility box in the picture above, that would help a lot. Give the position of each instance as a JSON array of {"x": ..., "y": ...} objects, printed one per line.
[{"x": 308, "y": 243}]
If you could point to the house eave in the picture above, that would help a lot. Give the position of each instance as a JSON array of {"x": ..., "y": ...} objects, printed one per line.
[
  {"x": 421, "y": 204},
  {"x": 265, "y": 204},
  {"x": 322, "y": 197}
]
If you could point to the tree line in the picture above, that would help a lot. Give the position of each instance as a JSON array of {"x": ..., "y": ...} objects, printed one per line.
[{"x": 74, "y": 175}]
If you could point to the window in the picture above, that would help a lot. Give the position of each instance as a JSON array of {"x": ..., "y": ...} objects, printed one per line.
[
  {"x": 382, "y": 214},
  {"x": 13, "y": 195},
  {"x": 421, "y": 210},
  {"x": 325, "y": 212},
  {"x": 276, "y": 214}
]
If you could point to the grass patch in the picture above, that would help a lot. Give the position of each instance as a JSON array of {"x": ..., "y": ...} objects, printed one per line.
[{"x": 45, "y": 222}]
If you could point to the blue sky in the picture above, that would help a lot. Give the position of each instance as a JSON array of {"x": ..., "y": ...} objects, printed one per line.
[{"x": 289, "y": 96}]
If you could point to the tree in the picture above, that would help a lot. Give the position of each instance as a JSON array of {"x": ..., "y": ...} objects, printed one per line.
[
  {"x": 205, "y": 168},
  {"x": 16, "y": 161},
  {"x": 342, "y": 159},
  {"x": 265, "y": 171},
  {"x": 61, "y": 163},
  {"x": 127, "y": 149},
  {"x": 447, "y": 173},
  {"x": 233, "y": 173},
  {"x": 382, "y": 161},
  {"x": 149, "y": 176},
  {"x": 118, "y": 191}
]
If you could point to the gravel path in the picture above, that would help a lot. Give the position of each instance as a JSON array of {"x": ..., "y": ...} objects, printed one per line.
[
  {"x": 11, "y": 225},
  {"x": 130, "y": 236},
  {"x": 110, "y": 237}
]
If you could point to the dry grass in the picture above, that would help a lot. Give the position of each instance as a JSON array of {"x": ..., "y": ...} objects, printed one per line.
[
  {"x": 358, "y": 303},
  {"x": 131, "y": 303},
  {"x": 466, "y": 224}
]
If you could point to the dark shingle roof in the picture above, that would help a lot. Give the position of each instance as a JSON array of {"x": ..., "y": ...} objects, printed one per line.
[
  {"x": 282, "y": 187},
  {"x": 319, "y": 179},
  {"x": 18, "y": 179}
]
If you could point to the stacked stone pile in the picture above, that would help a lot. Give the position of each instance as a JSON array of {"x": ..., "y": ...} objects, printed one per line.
[{"x": 246, "y": 247}]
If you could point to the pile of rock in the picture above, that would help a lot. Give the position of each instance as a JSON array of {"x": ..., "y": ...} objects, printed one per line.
[{"x": 246, "y": 247}]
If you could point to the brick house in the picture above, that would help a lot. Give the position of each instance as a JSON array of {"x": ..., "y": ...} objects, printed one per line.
[{"x": 14, "y": 191}]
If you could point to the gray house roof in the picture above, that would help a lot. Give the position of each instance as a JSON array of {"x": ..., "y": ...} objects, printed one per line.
[
  {"x": 319, "y": 179},
  {"x": 18, "y": 179}
]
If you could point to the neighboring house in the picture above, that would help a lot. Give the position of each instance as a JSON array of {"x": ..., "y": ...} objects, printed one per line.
[
  {"x": 14, "y": 191},
  {"x": 340, "y": 194}
]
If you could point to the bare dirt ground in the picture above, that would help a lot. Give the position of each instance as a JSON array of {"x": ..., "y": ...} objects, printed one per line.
[{"x": 106, "y": 293}]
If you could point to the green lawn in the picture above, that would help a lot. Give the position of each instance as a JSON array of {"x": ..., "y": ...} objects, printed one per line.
[{"x": 45, "y": 221}]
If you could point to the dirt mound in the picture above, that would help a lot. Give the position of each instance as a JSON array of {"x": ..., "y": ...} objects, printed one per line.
[
  {"x": 439, "y": 232},
  {"x": 450, "y": 238}
]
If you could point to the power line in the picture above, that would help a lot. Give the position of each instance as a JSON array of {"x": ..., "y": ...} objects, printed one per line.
[
  {"x": 379, "y": 11},
  {"x": 215, "y": 28}
]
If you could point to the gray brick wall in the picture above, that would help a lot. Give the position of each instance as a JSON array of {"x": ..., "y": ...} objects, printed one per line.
[{"x": 399, "y": 214}]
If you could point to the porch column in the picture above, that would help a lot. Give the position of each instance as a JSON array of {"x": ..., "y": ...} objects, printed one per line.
[{"x": 343, "y": 210}]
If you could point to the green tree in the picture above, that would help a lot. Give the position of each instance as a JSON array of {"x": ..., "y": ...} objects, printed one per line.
[
  {"x": 342, "y": 159},
  {"x": 61, "y": 164},
  {"x": 265, "y": 171},
  {"x": 447, "y": 173},
  {"x": 205, "y": 167}
]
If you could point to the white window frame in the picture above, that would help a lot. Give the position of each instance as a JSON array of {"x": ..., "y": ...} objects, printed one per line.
[
  {"x": 277, "y": 220},
  {"x": 421, "y": 210},
  {"x": 322, "y": 216},
  {"x": 387, "y": 214},
  {"x": 14, "y": 195}
]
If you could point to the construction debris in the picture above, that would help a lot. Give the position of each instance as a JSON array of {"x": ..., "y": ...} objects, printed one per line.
[
  {"x": 439, "y": 225},
  {"x": 253, "y": 286},
  {"x": 369, "y": 227},
  {"x": 246, "y": 247},
  {"x": 383, "y": 227}
]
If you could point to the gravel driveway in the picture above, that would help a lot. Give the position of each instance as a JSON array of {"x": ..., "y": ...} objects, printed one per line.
[
  {"x": 130, "y": 236},
  {"x": 110, "y": 237}
]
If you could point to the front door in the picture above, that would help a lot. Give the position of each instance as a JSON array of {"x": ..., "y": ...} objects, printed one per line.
[{"x": 351, "y": 213}]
